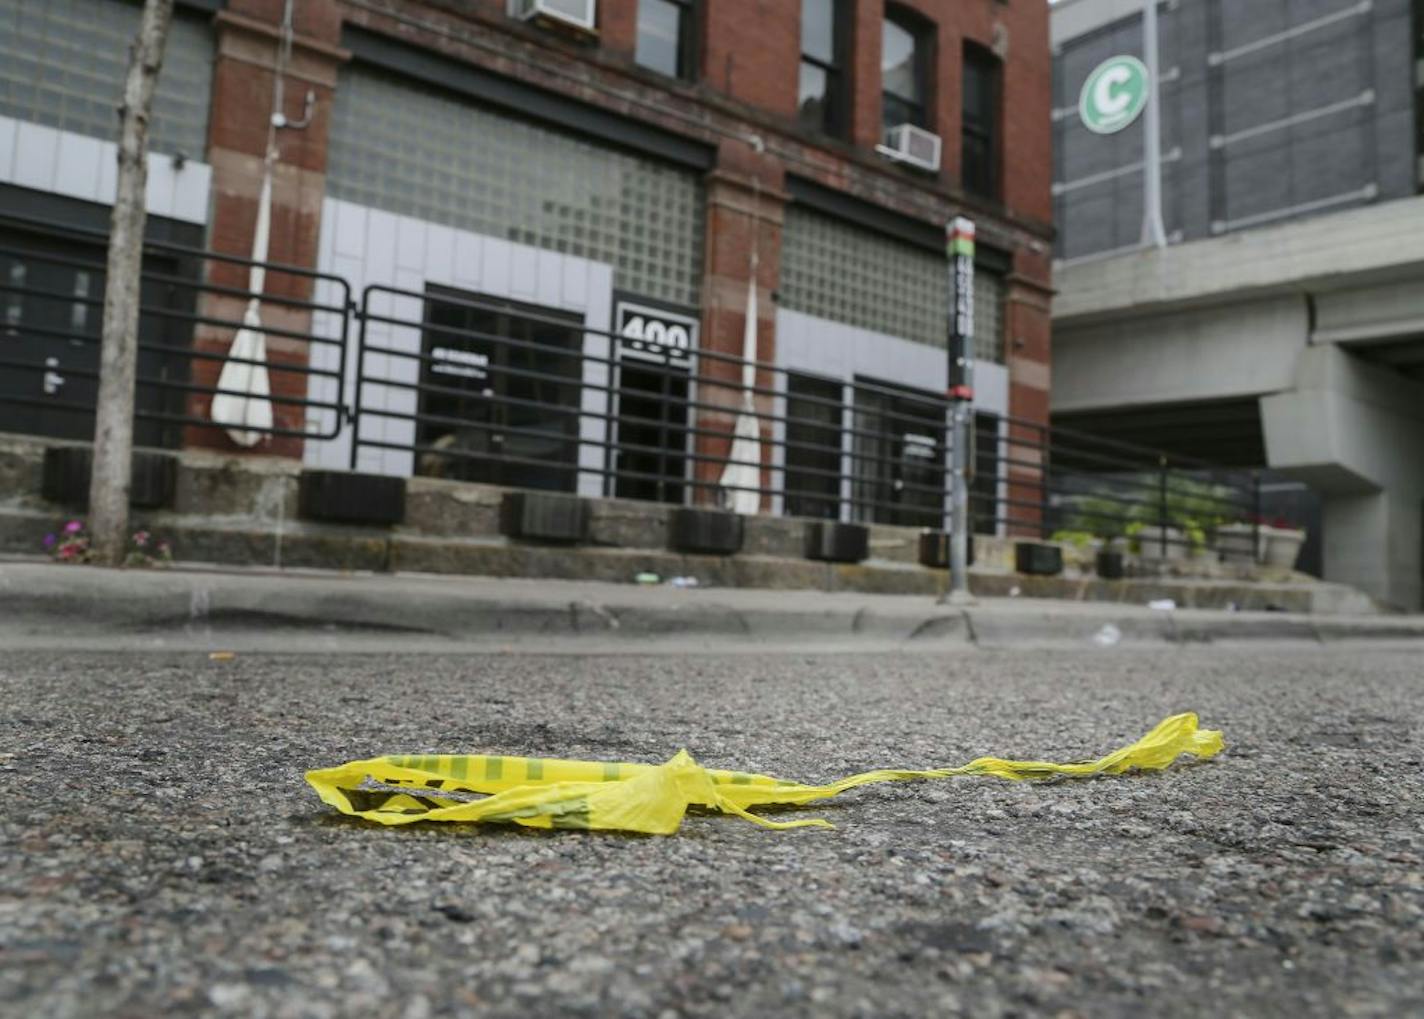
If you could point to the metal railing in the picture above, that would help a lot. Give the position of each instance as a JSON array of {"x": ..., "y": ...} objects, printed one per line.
[
  {"x": 449, "y": 385},
  {"x": 460, "y": 387},
  {"x": 191, "y": 306}
]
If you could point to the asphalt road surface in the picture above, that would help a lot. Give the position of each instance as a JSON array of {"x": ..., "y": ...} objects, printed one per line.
[{"x": 160, "y": 851}]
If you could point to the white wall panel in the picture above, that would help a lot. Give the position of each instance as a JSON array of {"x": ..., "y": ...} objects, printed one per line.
[
  {"x": 77, "y": 166},
  {"x": 817, "y": 346}
]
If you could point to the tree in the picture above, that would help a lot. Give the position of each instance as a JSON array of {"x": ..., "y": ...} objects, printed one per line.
[{"x": 118, "y": 354}]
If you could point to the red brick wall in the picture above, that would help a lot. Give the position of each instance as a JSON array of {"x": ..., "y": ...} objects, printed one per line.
[
  {"x": 747, "y": 86},
  {"x": 243, "y": 84},
  {"x": 751, "y": 52},
  {"x": 744, "y": 214}
]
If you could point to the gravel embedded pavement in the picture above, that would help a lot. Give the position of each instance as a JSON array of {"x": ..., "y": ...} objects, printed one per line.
[{"x": 160, "y": 852}]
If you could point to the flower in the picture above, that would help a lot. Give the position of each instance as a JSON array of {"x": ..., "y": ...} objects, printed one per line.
[
  {"x": 140, "y": 538},
  {"x": 49, "y": 541},
  {"x": 74, "y": 527}
]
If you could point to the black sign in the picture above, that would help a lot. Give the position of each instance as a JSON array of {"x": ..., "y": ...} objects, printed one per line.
[{"x": 654, "y": 334}]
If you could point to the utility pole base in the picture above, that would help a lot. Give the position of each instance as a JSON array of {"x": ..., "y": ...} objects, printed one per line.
[{"x": 959, "y": 599}]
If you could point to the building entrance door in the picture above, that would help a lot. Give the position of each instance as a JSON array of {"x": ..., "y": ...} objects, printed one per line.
[
  {"x": 899, "y": 455},
  {"x": 51, "y": 310},
  {"x": 653, "y": 384}
]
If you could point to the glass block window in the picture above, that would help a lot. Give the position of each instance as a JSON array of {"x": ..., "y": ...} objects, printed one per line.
[
  {"x": 989, "y": 295},
  {"x": 837, "y": 270},
  {"x": 63, "y": 62},
  {"x": 414, "y": 150}
]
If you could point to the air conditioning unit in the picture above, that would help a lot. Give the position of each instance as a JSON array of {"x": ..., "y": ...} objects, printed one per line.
[
  {"x": 581, "y": 14},
  {"x": 906, "y": 143}
]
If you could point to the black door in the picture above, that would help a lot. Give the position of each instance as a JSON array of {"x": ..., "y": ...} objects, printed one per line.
[
  {"x": 899, "y": 456},
  {"x": 651, "y": 455},
  {"x": 51, "y": 310}
]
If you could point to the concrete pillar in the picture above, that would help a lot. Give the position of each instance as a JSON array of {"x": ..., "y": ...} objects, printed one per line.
[
  {"x": 745, "y": 202},
  {"x": 1355, "y": 432},
  {"x": 243, "y": 82}
]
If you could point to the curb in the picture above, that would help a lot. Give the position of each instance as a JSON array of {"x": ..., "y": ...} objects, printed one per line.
[{"x": 101, "y": 602}]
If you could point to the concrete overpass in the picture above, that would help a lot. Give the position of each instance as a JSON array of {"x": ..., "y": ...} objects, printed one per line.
[{"x": 1299, "y": 347}]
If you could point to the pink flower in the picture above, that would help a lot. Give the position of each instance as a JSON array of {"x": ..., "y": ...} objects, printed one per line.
[
  {"x": 140, "y": 538},
  {"x": 74, "y": 527}
]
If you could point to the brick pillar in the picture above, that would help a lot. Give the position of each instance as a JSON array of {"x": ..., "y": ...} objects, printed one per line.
[
  {"x": 1030, "y": 373},
  {"x": 243, "y": 81},
  {"x": 737, "y": 211}
]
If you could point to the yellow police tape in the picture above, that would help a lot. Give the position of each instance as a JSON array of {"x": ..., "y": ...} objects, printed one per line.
[{"x": 652, "y": 798}]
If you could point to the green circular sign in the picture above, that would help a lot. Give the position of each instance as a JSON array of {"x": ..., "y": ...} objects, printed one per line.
[{"x": 1113, "y": 95}]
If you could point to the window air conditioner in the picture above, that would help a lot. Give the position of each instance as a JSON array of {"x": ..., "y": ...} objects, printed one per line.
[
  {"x": 906, "y": 143},
  {"x": 578, "y": 13}
]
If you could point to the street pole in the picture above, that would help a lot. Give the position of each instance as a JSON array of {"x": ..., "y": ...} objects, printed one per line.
[
  {"x": 959, "y": 242},
  {"x": 1153, "y": 232},
  {"x": 118, "y": 353}
]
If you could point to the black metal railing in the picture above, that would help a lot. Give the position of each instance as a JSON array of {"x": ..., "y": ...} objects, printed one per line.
[
  {"x": 192, "y": 304},
  {"x": 460, "y": 387},
  {"x": 449, "y": 385}
]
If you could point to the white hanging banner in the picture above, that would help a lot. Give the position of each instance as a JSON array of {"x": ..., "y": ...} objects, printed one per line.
[
  {"x": 741, "y": 478},
  {"x": 244, "y": 405}
]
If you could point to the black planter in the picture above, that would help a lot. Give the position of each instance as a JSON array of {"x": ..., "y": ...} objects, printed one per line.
[
  {"x": 833, "y": 542},
  {"x": 934, "y": 550},
  {"x": 346, "y": 497},
  {"x": 1038, "y": 559},
  {"x": 712, "y": 532},
  {"x": 67, "y": 471},
  {"x": 1110, "y": 565},
  {"x": 544, "y": 516}
]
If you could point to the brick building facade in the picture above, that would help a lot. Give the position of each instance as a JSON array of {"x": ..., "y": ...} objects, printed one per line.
[{"x": 458, "y": 148}]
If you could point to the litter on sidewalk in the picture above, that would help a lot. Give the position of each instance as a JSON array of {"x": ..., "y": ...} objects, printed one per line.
[
  {"x": 1108, "y": 636},
  {"x": 652, "y": 798}
]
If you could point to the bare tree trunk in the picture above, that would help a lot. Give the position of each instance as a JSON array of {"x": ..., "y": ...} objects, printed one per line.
[{"x": 118, "y": 356}]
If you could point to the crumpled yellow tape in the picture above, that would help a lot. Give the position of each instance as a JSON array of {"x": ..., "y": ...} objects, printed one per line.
[{"x": 652, "y": 798}]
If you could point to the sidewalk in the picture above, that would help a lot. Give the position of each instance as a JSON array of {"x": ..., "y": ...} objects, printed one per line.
[{"x": 43, "y": 602}]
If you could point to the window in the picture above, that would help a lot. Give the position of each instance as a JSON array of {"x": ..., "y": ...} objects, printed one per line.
[
  {"x": 904, "y": 58},
  {"x": 984, "y": 488},
  {"x": 813, "y": 447},
  {"x": 410, "y": 149},
  {"x": 979, "y": 138},
  {"x": 499, "y": 392},
  {"x": 821, "y": 99},
  {"x": 665, "y": 37},
  {"x": 63, "y": 65}
]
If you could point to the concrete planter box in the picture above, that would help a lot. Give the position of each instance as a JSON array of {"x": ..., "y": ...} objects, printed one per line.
[
  {"x": 1237, "y": 543},
  {"x": 1149, "y": 543},
  {"x": 67, "y": 471},
  {"x": 1038, "y": 558},
  {"x": 710, "y": 532},
  {"x": 1110, "y": 564},
  {"x": 1281, "y": 546},
  {"x": 934, "y": 550},
  {"x": 544, "y": 516},
  {"x": 832, "y": 542},
  {"x": 346, "y": 497}
]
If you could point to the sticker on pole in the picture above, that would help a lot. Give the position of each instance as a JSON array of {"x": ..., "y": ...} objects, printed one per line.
[
  {"x": 652, "y": 798},
  {"x": 1113, "y": 95}
]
